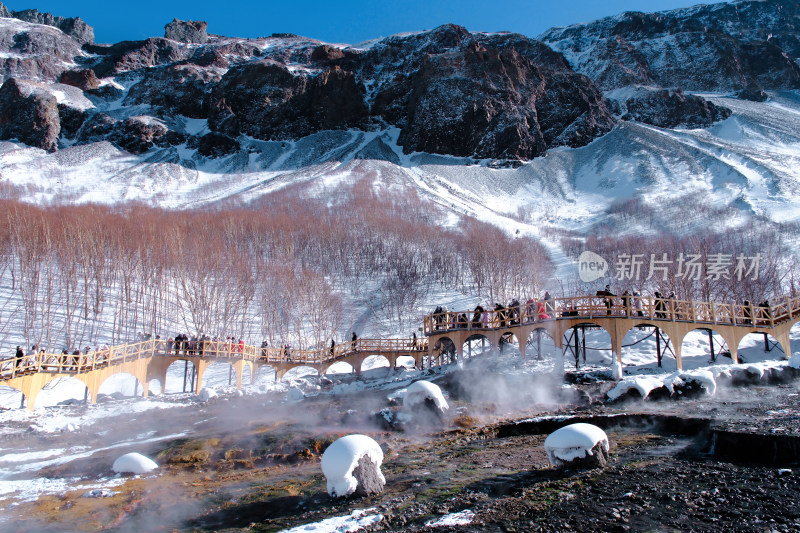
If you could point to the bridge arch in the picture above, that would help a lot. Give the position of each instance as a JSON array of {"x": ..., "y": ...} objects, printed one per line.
[
  {"x": 587, "y": 342},
  {"x": 508, "y": 340},
  {"x": 339, "y": 367},
  {"x": 264, "y": 373},
  {"x": 697, "y": 343},
  {"x": 756, "y": 346},
  {"x": 375, "y": 361},
  {"x": 444, "y": 350},
  {"x": 124, "y": 383},
  {"x": 299, "y": 371},
  {"x": 476, "y": 344},
  {"x": 11, "y": 397},
  {"x": 644, "y": 341},
  {"x": 219, "y": 373},
  {"x": 542, "y": 352},
  {"x": 406, "y": 361},
  {"x": 178, "y": 375},
  {"x": 60, "y": 389}
]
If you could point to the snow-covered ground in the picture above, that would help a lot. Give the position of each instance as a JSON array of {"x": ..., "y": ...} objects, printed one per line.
[{"x": 19, "y": 467}]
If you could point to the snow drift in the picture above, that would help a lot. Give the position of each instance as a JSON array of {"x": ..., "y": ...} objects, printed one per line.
[{"x": 134, "y": 463}]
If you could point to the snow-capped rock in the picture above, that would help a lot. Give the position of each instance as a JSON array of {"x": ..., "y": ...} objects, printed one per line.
[
  {"x": 421, "y": 392},
  {"x": 577, "y": 445},
  {"x": 134, "y": 463},
  {"x": 295, "y": 395},
  {"x": 206, "y": 394},
  {"x": 352, "y": 464}
]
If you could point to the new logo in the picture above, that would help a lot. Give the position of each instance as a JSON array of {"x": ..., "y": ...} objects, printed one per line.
[{"x": 591, "y": 266}]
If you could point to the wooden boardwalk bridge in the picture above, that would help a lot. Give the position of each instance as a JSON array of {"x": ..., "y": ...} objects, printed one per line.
[
  {"x": 617, "y": 316},
  {"x": 150, "y": 359}
]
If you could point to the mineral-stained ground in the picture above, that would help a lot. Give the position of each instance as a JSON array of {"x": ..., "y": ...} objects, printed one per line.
[{"x": 709, "y": 463}]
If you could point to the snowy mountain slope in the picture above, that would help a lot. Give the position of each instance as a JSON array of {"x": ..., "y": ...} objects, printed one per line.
[{"x": 748, "y": 160}]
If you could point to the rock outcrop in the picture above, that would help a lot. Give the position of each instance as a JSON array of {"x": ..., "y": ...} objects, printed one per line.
[
  {"x": 75, "y": 27},
  {"x": 34, "y": 52},
  {"x": 671, "y": 109},
  {"x": 454, "y": 93},
  {"x": 29, "y": 115},
  {"x": 187, "y": 31},
  {"x": 502, "y": 97},
  {"x": 717, "y": 47},
  {"x": 265, "y": 100},
  {"x": 84, "y": 79}
]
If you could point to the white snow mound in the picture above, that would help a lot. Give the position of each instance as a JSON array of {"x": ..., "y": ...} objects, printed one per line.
[
  {"x": 135, "y": 463},
  {"x": 295, "y": 395},
  {"x": 341, "y": 458},
  {"x": 643, "y": 384},
  {"x": 616, "y": 370},
  {"x": 206, "y": 394},
  {"x": 574, "y": 441},
  {"x": 419, "y": 391}
]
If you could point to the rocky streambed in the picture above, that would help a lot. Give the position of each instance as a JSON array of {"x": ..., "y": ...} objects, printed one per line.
[{"x": 722, "y": 462}]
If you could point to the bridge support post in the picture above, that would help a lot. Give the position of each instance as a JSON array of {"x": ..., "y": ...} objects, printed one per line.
[
  {"x": 238, "y": 367},
  {"x": 783, "y": 339}
]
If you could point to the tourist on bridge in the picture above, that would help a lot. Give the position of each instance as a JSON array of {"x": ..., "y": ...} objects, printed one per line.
[
  {"x": 626, "y": 302},
  {"x": 541, "y": 311},
  {"x": 530, "y": 310},
  {"x": 637, "y": 303},
  {"x": 477, "y": 317},
  {"x": 264, "y": 346},
  {"x": 660, "y": 306},
  {"x": 549, "y": 306},
  {"x": 354, "y": 340},
  {"x": 414, "y": 340},
  {"x": 18, "y": 358},
  {"x": 333, "y": 347},
  {"x": 747, "y": 311},
  {"x": 513, "y": 313},
  {"x": 765, "y": 312},
  {"x": 499, "y": 316},
  {"x": 438, "y": 318}
]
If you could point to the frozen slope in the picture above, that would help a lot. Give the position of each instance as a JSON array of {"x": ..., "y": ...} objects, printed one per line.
[{"x": 748, "y": 161}]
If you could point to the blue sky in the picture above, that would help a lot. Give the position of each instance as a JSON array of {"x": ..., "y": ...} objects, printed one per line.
[{"x": 337, "y": 21}]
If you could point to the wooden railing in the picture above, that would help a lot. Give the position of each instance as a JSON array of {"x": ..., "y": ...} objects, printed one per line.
[
  {"x": 645, "y": 307},
  {"x": 78, "y": 364}
]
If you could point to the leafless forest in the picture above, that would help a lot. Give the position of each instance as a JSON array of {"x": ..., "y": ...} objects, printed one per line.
[{"x": 279, "y": 269}]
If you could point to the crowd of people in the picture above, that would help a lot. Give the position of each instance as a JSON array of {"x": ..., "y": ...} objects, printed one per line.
[
  {"x": 628, "y": 304},
  {"x": 512, "y": 314}
]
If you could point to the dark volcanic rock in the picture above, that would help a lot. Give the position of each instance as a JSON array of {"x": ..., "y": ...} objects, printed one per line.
[
  {"x": 224, "y": 54},
  {"x": 96, "y": 128},
  {"x": 671, "y": 109},
  {"x": 137, "y": 134},
  {"x": 174, "y": 89},
  {"x": 717, "y": 47},
  {"x": 368, "y": 476},
  {"x": 484, "y": 98},
  {"x": 217, "y": 145},
  {"x": 34, "y": 52},
  {"x": 75, "y": 27},
  {"x": 71, "y": 120},
  {"x": 83, "y": 79},
  {"x": 187, "y": 31},
  {"x": 754, "y": 94},
  {"x": 134, "y": 55},
  {"x": 28, "y": 114},
  {"x": 265, "y": 100}
]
